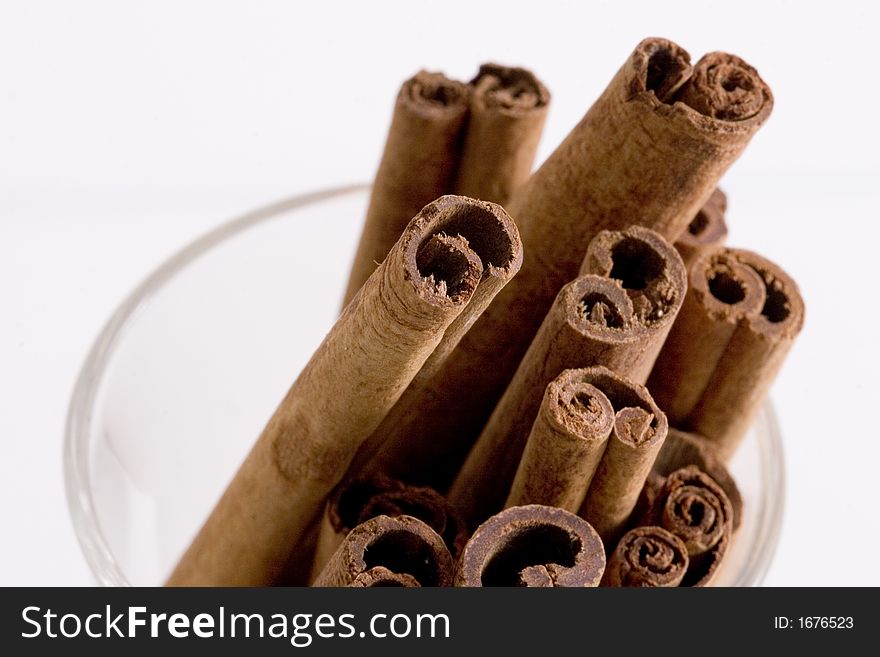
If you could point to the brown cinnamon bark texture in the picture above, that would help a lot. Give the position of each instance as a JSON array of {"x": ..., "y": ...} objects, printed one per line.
[
  {"x": 619, "y": 320},
  {"x": 647, "y": 557},
  {"x": 532, "y": 545},
  {"x": 721, "y": 293},
  {"x": 695, "y": 508},
  {"x": 640, "y": 428},
  {"x": 751, "y": 360},
  {"x": 507, "y": 113},
  {"x": 417, "y": 165},
  {"x": 402, "y": 445},
  {"x": 385, "y": 551},
  {"x": 638, "y": 156},
  {"x": 565, "y": 445},
  {"x": 681, "y": 449},
  {"x": 354, "y": 378},
  {"x": 707, "y": 229},
  {"x": 355, "y": 502}
]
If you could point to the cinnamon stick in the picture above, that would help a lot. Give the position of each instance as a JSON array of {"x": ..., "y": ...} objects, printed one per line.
[
  {"x": 640, "y": 428},
  {"x": 695, "y": 508},
  {"x": 417, "y": 165},
  {"x": 355, "y": 502},
  {"x": 565, "y": 445},
  {"x": 705, "y": 231},
  {"x": 721, "y": 292},
  {"x": 354, "y": 378},
  {"x": 638, "y": 156},
  {"x": 619, "y": 320},
  {"x": 385, "y": 551},
  {"x": 682, "y": 448},
  {"x": 647, "y": 557},
  {"x": 751, "y": 360},
  {"x": 507, "y": 113},
  {"x": 533, "y": 545}
]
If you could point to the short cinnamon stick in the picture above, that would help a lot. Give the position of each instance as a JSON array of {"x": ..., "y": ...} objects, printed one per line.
[
  {"x": 356, "y": 375},
  {"x": 706, "y": 230},
  {"x": 565, "y": 445},
  {"x": 385, "y": 551},
  {"x": 647, "y": 557},
  {"x": 695, "y": 508},
  {"x": 507, "y": 113},
  {"x": 534, "y": 545},
  {"x": 751, "y": 360},
  {"x": 417, "y": 165},
  {"x": 355, "y": 502}
]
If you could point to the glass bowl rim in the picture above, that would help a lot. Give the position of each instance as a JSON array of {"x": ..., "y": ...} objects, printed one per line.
[{"x": 78, "y": 428}]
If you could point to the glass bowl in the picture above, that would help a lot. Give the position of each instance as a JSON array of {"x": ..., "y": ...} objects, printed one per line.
[{"x": 188, "y": 369}]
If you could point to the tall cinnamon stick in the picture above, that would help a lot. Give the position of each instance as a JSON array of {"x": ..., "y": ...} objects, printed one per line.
[
  {"x": 620, "y": 322},
  {"x": 647, "y": 557},
  {"x": 706, "y": 230},
  {"x": 507, "y": 112},
  {"x": 534, "y": 545},
  {"x": 355, "y": 502},
  {"x": 385, "y": 551},
  {"x": 417, "y": 165},
  {"x": 356, "y": 375},
  {"x": 721, "y": 292},
  {"x": 751, "y": 360},
  {"x": 695, "y": 508},
  {"x": 638, "y": 156},
  {"x": 565, "y": 445}
]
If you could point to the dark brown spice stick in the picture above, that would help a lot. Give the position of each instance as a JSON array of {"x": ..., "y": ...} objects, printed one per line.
[
  {"x": 507, "y": 113},
  {"x": 351, "y": 382},
  {"x": 682, "y": 449},
  {"x": 706, "y": 230},
  {"x": 355, "y": 502},
  {"x": 385, "y": 551},
  {"x": 532, "y": 545},
  {"x": 647, "y": 557},
  {"x": 695, "y": 508},
  {"x": 751, "y": 360},
  {"x": 565, "y": 445},
  {"x": 417, "y": 165},
  {"x": 721, "y": 292}
]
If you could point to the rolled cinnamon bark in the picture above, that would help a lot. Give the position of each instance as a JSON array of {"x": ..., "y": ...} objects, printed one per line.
[
  {"x": 706, "y": 230},
  {"x": 638, "y": 156},
  {"x": 721, "y": 293},
  {"x": 532, "y": 545},
  {"x": 565, "y": 445},
  {"x": 355, "y": 502},
  {"x": 356, "y": 375},
  {"x": 647, "y": 557},
  {"x": 751, "y": 360},
  {"x": 681, "y": 449},
  {"x": 401, "y": 445},
  {"x": 640, "y": 428},
  {"x": 385, "y": 551},
  {"x": 417, "y": 165},
  {"x": 619, "y": 320},
  {"x": 695, "y": 508},
  {"x": 507, "y": 113}
]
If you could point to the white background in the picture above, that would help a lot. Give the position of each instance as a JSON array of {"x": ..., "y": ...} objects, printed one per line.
[{"x": 127, "y": 129}]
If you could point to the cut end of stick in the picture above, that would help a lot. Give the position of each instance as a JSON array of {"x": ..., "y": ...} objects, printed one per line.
[
  {"x": 595, "y": 302},
  {"x": 661, "y": 66},
  {"x": 449, "y": 267},
  {"x": 782, "y": 312},
  {"x": 725, "y": 87},
  {"x": 509, "y": 89},
  {"x": 533, "y": 545},
  {"x": 647, "y": 557},
  {"x": 696, "y": 509},
  {"x": 578, "y": 408},
  {"x": 727, "y": 289},
  {"x": 434, "y": 93}
]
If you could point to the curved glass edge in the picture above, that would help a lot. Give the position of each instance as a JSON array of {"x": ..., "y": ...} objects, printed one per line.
[{"x": 76, "y": 449}]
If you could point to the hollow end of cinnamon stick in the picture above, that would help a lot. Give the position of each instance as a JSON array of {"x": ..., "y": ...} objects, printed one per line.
[
  {"x": 509, "y": 89},
  {"x": 532, "y": 545},
  {"x": 706, "y": 230},
  {"x": 782, "y": 314},
  {"x": 432, "y": 94},
  {"x": 647, "y": 556},
  {"x": 385, "y": 551},
  {"x": 725, "y": 87},
  {"x": 565, "y": 445}
]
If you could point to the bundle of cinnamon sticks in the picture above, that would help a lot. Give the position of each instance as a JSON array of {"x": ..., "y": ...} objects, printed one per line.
[{"x": 536, "y": 378}]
